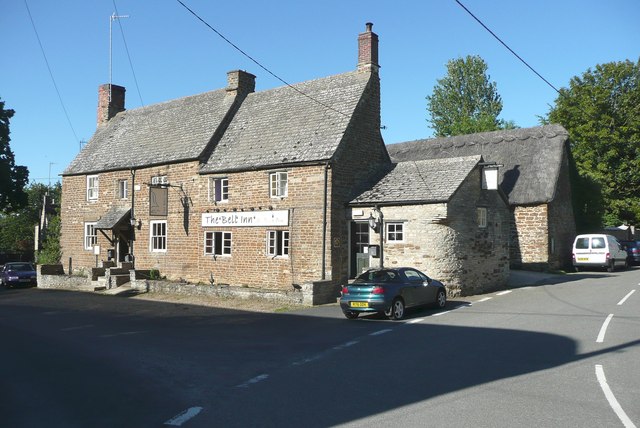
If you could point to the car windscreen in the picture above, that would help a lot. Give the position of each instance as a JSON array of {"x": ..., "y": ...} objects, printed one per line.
[{"x": 20, "y": 267}]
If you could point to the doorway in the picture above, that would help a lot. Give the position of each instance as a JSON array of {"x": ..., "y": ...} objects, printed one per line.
[{"x": 359, "y": 248}]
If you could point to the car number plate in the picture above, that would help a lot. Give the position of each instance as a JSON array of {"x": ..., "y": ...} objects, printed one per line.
[
  {"x": 24, "y": 280},
  {"x": 359, "y": 304},
  {"x": 583, "y": 259}
]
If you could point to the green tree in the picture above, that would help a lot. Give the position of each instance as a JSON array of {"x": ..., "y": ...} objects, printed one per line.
[
  {"x": 601, "y": 111},
  {"x": 465, "y": 101},
  {"x": 13, "y": 178}
]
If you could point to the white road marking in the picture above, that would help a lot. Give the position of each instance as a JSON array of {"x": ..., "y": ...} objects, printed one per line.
[
  {"x": 80, "y": 327},
  {"x": 484, "y": 300},
  {"x": 183, "y": 417},
  {"x": 252, "y": 381},
  {"x": 502, "y": 293},
  {"x": 440, "y": 313},
  {"x": 124, "y": 333},
  {"x": 603, "y": 329},
  {"x": 379, "y": 332},
  {"x": 624, "y": 299},
  {"x": 346, "y": 345},
  {"x": 612, "y": 399},
  {"x": 415, "y": 321}
]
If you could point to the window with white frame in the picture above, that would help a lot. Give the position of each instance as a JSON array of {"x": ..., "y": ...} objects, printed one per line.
[
  {"x": 159, "y": 179},
  {"x": 217, "y": 243},
  {"x": 158, "y": 236},
  {"x": 482, "y": 217},
  {"x": 278, "y": 243},
  {"x": 92, "y": 187},
  {"x": 395, "y": 232},
  {"x": 90, "y": 236},
  {"x": 278, "y": 185},
  {"x": 218, "y": 190},
  {"x": 123, "y": 189}
]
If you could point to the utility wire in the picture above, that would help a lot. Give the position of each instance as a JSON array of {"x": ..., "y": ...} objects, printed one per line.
[
  {"x": 505, "y": 45},
  {"x": 126, "y": 48},
  {"x": 50, "y": 72},
  {"x": 257, "y": 63}
]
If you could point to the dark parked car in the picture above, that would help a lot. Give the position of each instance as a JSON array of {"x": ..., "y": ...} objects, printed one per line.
[
  {"x": 390, "y": 292},
  {"x": 18, "y": 273},
  {"x": 633, "y": 251}
]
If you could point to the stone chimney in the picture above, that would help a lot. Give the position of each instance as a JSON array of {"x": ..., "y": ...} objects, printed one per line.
[
  {"x": 240, "y": 83},
  {"x": 110, "y": 102},
  {"x": 368, "y": 50}
]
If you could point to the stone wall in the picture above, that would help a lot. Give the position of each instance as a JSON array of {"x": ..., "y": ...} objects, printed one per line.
[
  {"x": 530, "y": 236},
  {"x": 53, "y": 276},
  {"x": 444, "y": 241}
]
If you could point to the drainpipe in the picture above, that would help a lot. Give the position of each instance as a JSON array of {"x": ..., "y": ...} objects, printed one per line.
[
  {"x": 324, "y": 221},
  {"x": 133, "y": 226}
]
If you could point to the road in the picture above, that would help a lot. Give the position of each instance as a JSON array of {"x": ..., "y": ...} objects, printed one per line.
[{"x": 557, "y": 355}]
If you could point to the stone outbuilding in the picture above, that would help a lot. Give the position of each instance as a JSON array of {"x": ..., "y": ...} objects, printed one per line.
[
  {"x": 446, "y": 217},
  {"x": 535, "y": 176}
]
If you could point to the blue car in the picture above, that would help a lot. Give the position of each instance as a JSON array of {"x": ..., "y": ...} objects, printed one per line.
[
  {"x": 390, "y": 292},
  {"x": 18, "y": 273}
]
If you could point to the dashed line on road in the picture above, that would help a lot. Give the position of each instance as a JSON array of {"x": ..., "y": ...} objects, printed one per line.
[
  {"x": 617, "y": 408},
  {"x": 502, "y": 293},
  {"x": 80, "y": 327},
  {"x": 624, "y": 299},
  {"x": 603, "y": 329},
  {"x": 252, "y": 381},
  {"x": 379, "y": 332},
  {"x": 483, "y": 300},
  {"x": 183, "y": 417}
]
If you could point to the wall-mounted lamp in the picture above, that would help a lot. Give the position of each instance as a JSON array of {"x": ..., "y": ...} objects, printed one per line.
[
  {"x": 375, "y": 222},
  {"x": 137, "y": 223}
]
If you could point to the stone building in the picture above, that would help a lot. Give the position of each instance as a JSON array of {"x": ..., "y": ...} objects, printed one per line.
[
  {"x": 446, "y": 217},
  {"x": 535, "y": 178},
  {"x": 233, "y": 186}
]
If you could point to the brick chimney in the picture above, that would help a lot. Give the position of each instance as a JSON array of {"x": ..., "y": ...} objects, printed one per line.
[
  {"x": 241, "y": 83},
  {"x": 110, "y": 102},
  {"x": 368, "y": 50}
]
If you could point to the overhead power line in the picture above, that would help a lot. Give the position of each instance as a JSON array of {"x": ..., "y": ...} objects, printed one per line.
[
  {"x": 50, "y": 72},
  {"x": 506, "y": 46},
  {"x": 258, "y": 63}
]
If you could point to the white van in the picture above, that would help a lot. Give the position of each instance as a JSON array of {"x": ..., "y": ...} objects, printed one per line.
[{"x": 598, "y": 251}]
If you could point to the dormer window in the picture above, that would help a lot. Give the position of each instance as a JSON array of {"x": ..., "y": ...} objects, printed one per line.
[{"x": 278, "y": 184}]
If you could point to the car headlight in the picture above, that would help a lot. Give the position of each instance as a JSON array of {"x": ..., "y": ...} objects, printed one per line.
[{"x": 13, "y": 278}]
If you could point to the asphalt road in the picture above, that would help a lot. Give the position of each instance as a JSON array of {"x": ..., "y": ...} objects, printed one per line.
[{"x": 557, "y": 355}]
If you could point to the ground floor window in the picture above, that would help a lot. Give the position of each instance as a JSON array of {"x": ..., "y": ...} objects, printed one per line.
[
  {"x": 217, "y": 243},
  {"x": 278, "y": 243},
  {"x": 395, "y": 232},
  {"x": 158, "y": 236},
  {"x": 90, "y": 236}
]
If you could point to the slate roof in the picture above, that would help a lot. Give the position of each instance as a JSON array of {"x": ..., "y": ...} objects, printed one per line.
[
  {"x": 532, "y": 157},
  {"x": 114, "y": 216},
  {"x": 282, "y": 126},
  {"x": 161, "y": 133},
  {"x": 420, "y": 181}
]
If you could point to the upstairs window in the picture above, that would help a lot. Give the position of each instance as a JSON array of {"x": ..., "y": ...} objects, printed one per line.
[
  {"x": 90, "y": 236},
  {"x": 92, "y": 187},
  {"x": 158, "y": 236},
  {"x": 482, "y": 217},
  {"x": 278, "y": 184},
  {"x": 278, "y": 243},
  {"x": 159, "y": 179},
  {"x": 123, "y": 189},
  {"x": 219, "y": 190},
  {"x": 217, "y": 243}
]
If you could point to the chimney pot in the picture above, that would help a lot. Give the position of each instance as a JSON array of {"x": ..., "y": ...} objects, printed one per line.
[{"x": 239, "y": 82}]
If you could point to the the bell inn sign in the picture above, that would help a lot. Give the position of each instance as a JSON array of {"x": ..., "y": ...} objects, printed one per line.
[{"x": 246, "y": 219}]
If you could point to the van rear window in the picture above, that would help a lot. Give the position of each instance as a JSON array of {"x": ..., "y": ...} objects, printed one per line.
[
  {"x": 597, "y": 243},
  {"x": 582, "y": 244}
]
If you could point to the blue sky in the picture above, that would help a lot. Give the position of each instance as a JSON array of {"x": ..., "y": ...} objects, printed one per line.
[{"x": 175, "y": 55}]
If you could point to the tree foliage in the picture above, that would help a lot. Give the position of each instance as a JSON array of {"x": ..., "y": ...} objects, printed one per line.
[
  {"x": 465, "y": 101},
  {"x": 13, "y": 179},
  {"x": 601, "y": 111}
]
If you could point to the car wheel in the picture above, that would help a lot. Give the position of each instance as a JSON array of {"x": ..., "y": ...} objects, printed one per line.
[
  {"x": 441, "y": 299},
  {"x": 611, "y": 266},
  {"x": 397, "y": 309},
  {"x": 351, "y": 315}
]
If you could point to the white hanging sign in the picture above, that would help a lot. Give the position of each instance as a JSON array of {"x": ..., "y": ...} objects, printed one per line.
[{"x": 246, "y": 219}]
